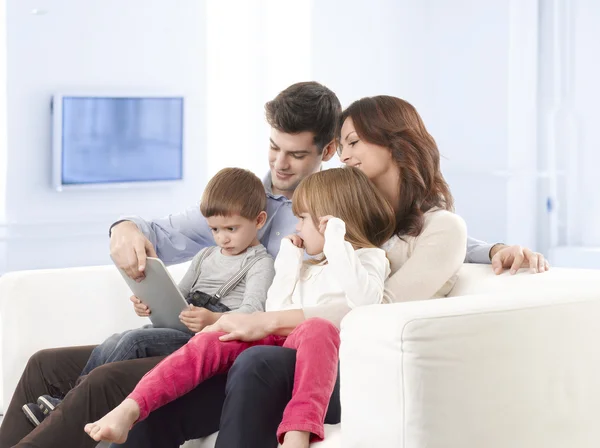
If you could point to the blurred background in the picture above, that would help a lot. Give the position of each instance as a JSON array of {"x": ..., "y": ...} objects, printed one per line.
[{"x": 508, "y": 88}]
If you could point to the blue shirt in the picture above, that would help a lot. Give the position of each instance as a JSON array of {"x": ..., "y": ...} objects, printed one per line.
[{"x": 179, "y": 237}]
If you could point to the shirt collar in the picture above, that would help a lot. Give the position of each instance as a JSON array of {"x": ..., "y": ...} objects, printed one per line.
[{"x": 268, "y": 183}]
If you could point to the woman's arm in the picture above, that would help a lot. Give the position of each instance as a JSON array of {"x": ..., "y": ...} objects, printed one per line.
[
  {"x": 438, "y": 255},
  {"x": 361, "y": 274},
  {"x": 287, "y": 272}
]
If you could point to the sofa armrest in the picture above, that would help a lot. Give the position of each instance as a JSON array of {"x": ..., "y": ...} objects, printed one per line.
[
  {"x": 472, "y": 371},
  {"x": 60, "y": 307}
]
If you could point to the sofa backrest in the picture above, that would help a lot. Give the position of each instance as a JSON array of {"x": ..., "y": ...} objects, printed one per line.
[{"x": 480, "y": 279}]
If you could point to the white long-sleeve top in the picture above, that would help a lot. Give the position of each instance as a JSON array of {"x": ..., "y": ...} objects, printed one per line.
[
  {"x": 346, "y": 277},
  {"x": 423, "y": 267}
]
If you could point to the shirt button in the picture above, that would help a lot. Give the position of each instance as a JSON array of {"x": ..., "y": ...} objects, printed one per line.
[{"x": 278, "y": 233}]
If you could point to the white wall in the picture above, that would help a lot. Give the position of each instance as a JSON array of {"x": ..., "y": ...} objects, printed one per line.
[
  {"x": 568, "y": 121},
  {"x": 145, "y": 45},
  {"x": 585, "y": 218},
  {"x": 252, "y": 55},
  {"x": 3, "y": 141},
  {"x": 469, "y": 67}
]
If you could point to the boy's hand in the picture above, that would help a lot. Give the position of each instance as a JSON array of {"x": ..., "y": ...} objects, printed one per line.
[
  {"x": 323, "y": 223},
  {"x": 140, "y": 308},
  {"x": 296, "y": 240},
  {"x": 196, "y": 318}
]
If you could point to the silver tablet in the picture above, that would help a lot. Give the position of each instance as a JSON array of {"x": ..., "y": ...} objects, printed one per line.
[{"x": 159, "y": 291}]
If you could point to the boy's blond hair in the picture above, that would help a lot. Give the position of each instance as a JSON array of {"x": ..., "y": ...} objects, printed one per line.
[
  {"x": 348, "y": 194},
  {"x": 234, "y": 191}
]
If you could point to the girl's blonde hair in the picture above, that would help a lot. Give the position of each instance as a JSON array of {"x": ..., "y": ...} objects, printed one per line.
[{"x": 348, "y": 194}]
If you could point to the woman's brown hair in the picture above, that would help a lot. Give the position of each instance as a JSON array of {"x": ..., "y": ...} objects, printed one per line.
[
  {"x": 395, "y": 124},
  {"x": 348, "y": 194}
]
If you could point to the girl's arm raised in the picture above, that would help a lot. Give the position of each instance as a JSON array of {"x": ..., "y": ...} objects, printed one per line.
[
  {"x": 287, "y": 272},
  {"x": 360, "y": 273}
]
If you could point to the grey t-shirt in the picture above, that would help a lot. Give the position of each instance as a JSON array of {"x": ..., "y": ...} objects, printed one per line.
[{"x": 249, "y": 295}]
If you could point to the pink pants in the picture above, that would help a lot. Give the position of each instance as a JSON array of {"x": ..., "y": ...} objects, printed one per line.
[{"x": 316, "y": 341}]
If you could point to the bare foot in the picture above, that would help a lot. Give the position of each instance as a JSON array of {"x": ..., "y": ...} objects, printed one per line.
[
  {"x": 114, "y": 426},
  {"x": 296, "y": 439}
]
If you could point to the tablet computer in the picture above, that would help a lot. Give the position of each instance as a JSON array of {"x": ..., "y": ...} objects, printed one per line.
[{"x": 159, "y": 291}]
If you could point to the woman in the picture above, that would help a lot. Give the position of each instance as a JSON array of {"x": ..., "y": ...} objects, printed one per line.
[{"x": 385, "y": 137}]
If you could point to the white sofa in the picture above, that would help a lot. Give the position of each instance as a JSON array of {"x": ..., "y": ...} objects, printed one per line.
[{"x": 509, "y": 361}]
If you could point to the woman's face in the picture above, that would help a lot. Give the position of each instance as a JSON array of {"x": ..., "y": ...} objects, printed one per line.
[{"x": 372, "y": 159}]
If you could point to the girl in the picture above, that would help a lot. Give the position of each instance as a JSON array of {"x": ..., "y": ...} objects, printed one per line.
[{"x": 342, "y": 223}]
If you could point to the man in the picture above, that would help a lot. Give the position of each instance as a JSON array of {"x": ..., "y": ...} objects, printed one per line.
[{"x": 246, "y": 405}]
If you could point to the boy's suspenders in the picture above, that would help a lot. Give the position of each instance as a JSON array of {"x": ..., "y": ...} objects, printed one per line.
[{"x": 233, "y": 281}]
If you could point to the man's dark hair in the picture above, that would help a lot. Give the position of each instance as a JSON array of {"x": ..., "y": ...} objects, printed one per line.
[{"x": 306, "y": 106}]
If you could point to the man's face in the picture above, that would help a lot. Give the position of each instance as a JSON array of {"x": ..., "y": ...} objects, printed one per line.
[{"x": 292, "y": 157}]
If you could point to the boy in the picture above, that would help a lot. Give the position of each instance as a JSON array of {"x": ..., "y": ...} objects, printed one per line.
[{"x": 239, "y": 268}]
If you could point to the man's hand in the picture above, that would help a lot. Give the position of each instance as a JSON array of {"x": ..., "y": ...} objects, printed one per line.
[
  {"x": 296, "y": 240},
  {"x": 129, "y": 249},
  {"x": 140, "y": 308},
  {"x": 197, "y": 318},
  {"x": 516, "y": 257},
  {"x": 242, "y": 327}
]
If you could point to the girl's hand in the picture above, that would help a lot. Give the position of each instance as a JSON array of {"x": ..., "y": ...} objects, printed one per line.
[
  {"x": 323, "y": 220},
  {"x": 296, "y": 240}
]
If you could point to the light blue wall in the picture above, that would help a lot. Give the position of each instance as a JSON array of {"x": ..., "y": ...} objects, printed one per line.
[
  {"x": 112, "y": 45},
  {"x": 479, "y": 72},
  {"x": 458, "y": 64}
]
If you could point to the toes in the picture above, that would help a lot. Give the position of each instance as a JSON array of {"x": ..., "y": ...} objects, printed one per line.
[
  {"x": 94, "y": 433},
  {"x": 89, "y": 428}
]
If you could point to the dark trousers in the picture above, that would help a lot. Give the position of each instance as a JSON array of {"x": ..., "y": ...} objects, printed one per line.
[{"x": 247, "y": 404}]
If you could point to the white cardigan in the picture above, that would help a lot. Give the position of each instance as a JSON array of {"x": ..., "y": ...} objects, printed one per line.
[
  {"x": 422, "y": 267},
  {"x": 346, "y": 277}
]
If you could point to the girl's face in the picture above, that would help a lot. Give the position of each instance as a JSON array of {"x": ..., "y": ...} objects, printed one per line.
[
  {"x": 313, "y": 239},
  {"x": 373, "y": 160}
]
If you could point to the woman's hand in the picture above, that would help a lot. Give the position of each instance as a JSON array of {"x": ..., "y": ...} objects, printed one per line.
[
  {"x": 323, "y": 220},
  {"x": 296, "y": 240},
  {"x": 241, "y": 327},
  {"x": 197, "y": 318}
]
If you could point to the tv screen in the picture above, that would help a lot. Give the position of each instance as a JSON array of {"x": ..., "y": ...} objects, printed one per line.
[{"x": 106, "y": 140}]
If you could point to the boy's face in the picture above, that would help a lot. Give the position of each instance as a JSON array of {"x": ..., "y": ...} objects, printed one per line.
[
  {"x": 292, "y": 157},
  {"x": 313, "y": 239},
  {"x": 234, "y": 234}
]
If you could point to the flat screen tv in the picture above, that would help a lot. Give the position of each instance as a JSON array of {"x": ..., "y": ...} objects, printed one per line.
[{"x": 110, "y": 140}]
